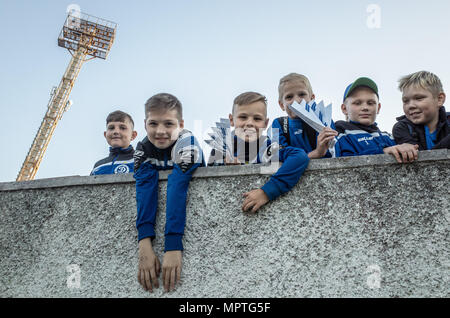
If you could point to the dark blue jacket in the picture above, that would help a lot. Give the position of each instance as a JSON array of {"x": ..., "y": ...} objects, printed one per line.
[
  {"x": 184, "y": 156},
  {"x": 356, "y": 139},
  {"x": 405, "y": 131},
  {"x": 119, "y": 161},
  {"x": 294, "y": 162},
  {"x": 295, "y": 133}
]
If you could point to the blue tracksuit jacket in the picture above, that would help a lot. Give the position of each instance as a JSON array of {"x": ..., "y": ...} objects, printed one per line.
[
  {"x": 294, "y": 162},
  {"x": 295, "y": 133},
  {"x": 120, "y": 160},
  {"x": 355, "y": 139},
  {"x": 184, "y": 156}
]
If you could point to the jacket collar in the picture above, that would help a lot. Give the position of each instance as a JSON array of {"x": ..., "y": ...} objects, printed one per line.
[
  {"x": 369, "y": 128},
  {"x": 119, "y": 150}
]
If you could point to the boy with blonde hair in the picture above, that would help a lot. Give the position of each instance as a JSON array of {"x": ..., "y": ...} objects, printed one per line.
[
  {"x": 293, "y": 131},
  {"x": 425, "y": 122},
  {"x": 249, "y": 118},
  {"x": 360, "y": 135},
  {"x": 167, "y": 146}
]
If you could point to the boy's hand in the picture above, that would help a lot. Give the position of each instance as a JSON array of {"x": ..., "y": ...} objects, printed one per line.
[
  {"x": 254, "y": 200},
  {"x": 149, "y": 265},
  {"x": 171, "y": 269},
  {"x": 323, "y": 140},
  {"x": 403, "y": 153}
]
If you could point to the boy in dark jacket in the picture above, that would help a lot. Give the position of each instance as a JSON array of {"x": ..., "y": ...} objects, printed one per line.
[
  {"x": 360, "y": 135},
  {"x": 425, "y": 122},
  {"x": 167, "y": 146},
  {"x": 119, "y": 134}
]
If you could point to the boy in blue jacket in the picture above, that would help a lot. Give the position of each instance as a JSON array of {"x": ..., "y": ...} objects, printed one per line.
[
  {"x": 166, "y": 146},
  {"x": 292, "y": 130},
  {"x": 249, "y": 118},
  {"x": 360, "y": 135},
  {"x": 119, "y": 134}
]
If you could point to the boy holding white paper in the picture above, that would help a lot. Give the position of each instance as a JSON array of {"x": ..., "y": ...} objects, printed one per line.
[
  {"x": 360, "y": 135},
  {"x": 295, "y": 131}
]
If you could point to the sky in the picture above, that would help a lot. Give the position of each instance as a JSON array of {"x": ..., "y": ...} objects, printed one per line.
[{"x": 205, "y": 53}]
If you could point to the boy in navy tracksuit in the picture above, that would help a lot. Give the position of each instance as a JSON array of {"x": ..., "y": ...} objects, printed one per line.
[
  {"x": 360, "y": 135},
  {"x": 425, "y": 123},
  {"x": 119, "y": 134},
  {"x": 249, "y": 118},
  {"x": 166, "y": 146},
  {"x": 293, "y": 131}
]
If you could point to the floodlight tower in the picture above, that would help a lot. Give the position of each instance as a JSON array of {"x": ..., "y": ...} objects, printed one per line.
[{"x": 86, "y": 37}]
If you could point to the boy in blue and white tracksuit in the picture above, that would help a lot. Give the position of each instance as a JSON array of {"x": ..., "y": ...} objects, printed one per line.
[
  {"x": 183, "y": 157},
  {"x": 118, "y": 134},
  {"x": 360, "y": 135},
  {"x": 292, "y": 130},
  {"x": 167, "y": 146},
  {"x": 120, "y": 160}
]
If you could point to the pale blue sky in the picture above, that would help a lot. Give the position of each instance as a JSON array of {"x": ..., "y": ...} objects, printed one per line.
[{"x": 205, "y": 53}]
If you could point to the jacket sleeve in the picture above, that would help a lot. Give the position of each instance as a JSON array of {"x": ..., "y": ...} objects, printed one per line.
[
  {"x": 146, "y": 200},
  {"x": 401, "y": 134},
  {"x": 177, "y": 188},
  {"x": 187, "y": 156},
  {"x": 295, "y": 161}
]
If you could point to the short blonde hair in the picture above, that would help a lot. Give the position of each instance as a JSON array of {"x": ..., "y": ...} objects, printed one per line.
[
  {"x": 248, "y": 98},
  {"x": 291, "y": 78},
  {"x": 423, "y": 79}
]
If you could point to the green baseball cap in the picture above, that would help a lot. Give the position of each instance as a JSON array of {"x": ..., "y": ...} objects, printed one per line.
[{"x": 362, "y": 81}]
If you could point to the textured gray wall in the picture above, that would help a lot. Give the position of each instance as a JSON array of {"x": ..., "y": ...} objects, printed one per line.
[{"x": 352, "y": 227}]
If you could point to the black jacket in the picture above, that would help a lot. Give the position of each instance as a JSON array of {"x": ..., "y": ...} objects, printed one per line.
[{"x": 405, "y": 131}]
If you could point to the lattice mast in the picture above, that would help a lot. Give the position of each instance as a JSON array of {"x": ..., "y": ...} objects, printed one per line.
[{"x": 86, "y": 37}]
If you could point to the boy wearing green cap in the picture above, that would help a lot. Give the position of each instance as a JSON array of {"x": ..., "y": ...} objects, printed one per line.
[{"x": 360, "y": 135}]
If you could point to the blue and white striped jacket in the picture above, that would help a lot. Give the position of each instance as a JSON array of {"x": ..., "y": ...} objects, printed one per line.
[{"x": 120, "y": 160}]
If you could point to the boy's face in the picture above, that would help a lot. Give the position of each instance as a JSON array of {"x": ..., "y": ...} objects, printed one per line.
[
  {"x": 294, "y": 91},
  {"x": 119, "y": 134},
  {"x": 163, "y": 127},
  {"x": 249, "y": 121},
  {"x": 420, "y": 106},
  {"x": 362, "y": 106}
]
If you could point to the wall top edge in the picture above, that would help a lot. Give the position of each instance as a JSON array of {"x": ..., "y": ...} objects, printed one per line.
[{"x": 227, "y": 171}]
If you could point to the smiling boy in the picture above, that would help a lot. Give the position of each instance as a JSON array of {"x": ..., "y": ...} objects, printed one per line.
[
  {"x": 425, "y": 122},
  {"x": 250, "y": 146},
  {"x": 167, "y": 146},
  {"x": 360, "y": 135},
  {"x": 119, "y": 134}
]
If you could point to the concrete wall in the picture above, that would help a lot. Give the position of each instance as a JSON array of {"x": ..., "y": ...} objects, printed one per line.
[{"x": 352, "y": 227}]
